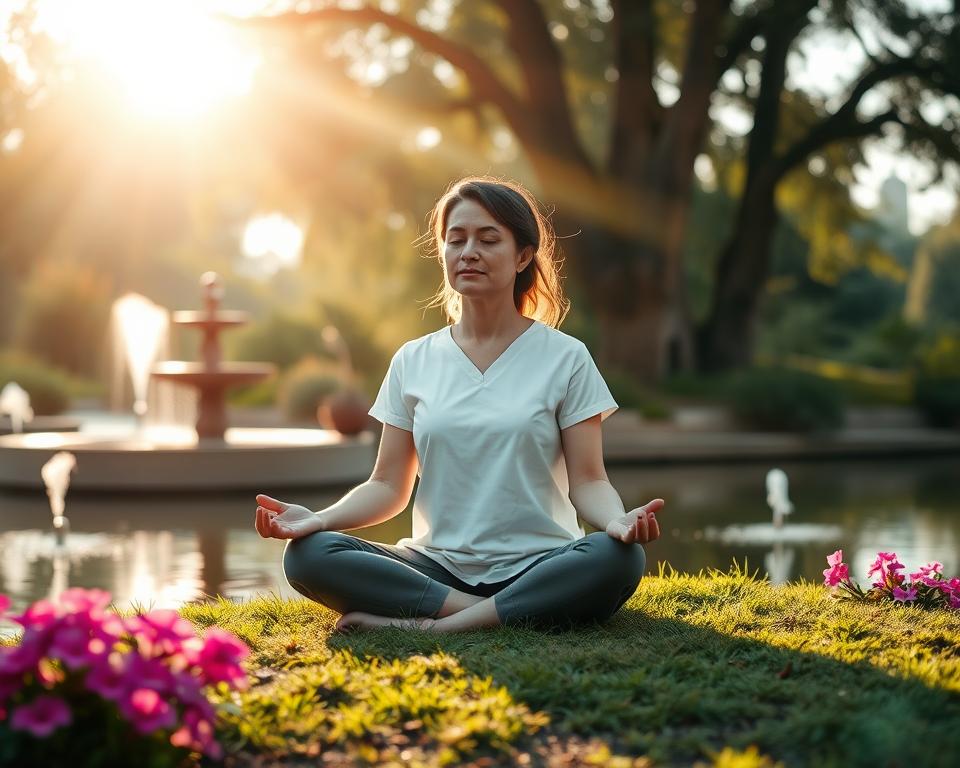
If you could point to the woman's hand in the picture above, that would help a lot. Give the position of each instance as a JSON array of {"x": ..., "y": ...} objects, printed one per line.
[
  {"x": 639, "y": 525},
  {"x": 279, "y": 520}
]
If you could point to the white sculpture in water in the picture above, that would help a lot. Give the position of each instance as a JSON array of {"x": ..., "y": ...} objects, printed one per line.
[
  {"x": 15, "y": 402},
  {"x": 777, "y": 498},
  {"x": 56, "y": 479}
]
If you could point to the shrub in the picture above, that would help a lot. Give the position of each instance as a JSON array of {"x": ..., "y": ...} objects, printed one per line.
[
  {"x": 305, "y": 386},
  {"x": 49, "y": 388},
  {"x": 779, "y": 398},
  {"x": 937, "y": 383},
  {"x": 631, "y": 394},
  {"x": 281, "y": 339},
  {"x": 64, "y": 317}
]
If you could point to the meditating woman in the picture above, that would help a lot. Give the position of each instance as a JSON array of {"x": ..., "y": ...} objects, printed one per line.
[{"x": 499, "y": 413}]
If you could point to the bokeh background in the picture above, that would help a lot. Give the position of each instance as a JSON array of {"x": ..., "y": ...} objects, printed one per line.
[{"x": 739, "y": 186}]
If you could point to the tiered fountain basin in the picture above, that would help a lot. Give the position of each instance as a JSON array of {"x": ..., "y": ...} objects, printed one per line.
[{"x": 171, "y": 459}]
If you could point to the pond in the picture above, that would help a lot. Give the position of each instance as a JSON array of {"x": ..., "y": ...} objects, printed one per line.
[{"x": 162, "y": 550}]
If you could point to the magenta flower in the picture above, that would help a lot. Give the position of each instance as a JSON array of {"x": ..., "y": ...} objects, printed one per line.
[
  {"x": 41, "y": 615},
  {"x": 220, "y": 656},
  {"x": 109, "y": 678},
  {"x": 835, "y": 575},
  {"x": 71, "y": 643},
  {"x": 904, "y": 595},
  {"x": 927, "y": 571},
  {"x": 41, "y": 717},
  {"x": 24, "y": 657},
  {"x": 197, "y": 733},
  {"x": 91, "y": 601},
  {"x": 160, "y": 632},
  {"x": 4, "y": 604},
  {"x": 147, "y": 710}
]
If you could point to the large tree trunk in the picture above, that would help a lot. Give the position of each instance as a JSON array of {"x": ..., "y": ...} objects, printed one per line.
[{"x": 726, "y": 339}]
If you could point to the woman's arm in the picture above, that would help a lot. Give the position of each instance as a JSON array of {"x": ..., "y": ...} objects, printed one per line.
[
  {"x": 595, "y": 499},
  {"x": 381, "y": 497},
  {"x": 385, "y": 494}
]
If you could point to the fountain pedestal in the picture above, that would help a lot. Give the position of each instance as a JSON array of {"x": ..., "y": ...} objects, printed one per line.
[{"x": 212, "y": 377}]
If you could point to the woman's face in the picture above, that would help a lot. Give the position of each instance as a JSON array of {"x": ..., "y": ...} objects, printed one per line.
[{"x": 478, "y": 242}]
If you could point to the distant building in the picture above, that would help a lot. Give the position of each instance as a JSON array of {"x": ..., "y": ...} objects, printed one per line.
[{"x": 891, "y": 211}]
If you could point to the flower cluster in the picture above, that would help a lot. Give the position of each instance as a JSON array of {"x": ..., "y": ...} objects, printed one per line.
[
  {"x": 144, "y": 675},
  {"x": 927, "y": 587}
]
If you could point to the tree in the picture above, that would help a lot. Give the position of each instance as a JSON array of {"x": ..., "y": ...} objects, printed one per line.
[
  {"x": 632, "y": 202},
  {"x": 776, "y": 148}
]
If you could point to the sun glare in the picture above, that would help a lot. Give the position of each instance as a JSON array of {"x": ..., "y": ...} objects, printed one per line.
[
  {"x": 170, "y": 59},
  {"x": 271, "y": 242}
]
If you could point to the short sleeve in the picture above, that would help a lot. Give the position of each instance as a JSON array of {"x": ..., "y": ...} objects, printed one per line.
[
  {"x": 587, "y": 393},
  {"x": 389, "y": 407}
]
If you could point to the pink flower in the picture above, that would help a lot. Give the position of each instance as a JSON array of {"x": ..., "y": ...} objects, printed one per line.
[
  {"x": 197, "y": 733},
  {"x": 904, "y": 595},
  {"x": 147, "y": 710},
  {"x": 108, "y": 678},
  {"x": 91, "y": 601},
  {"x": 16, "y": 660},
  {"x": 160, "y": 632},
  {"x": 835, "y": 575},
  {"x": 220, "y": 656},
  {"x": 4, "y": 604},
  {"x": 41, "y": 615},
  {"x": 71, "y": 642},
  {"x": 836, "y": 558},
  {"x": 927, "y": 571},
  {"x": 41, "y": 717}
]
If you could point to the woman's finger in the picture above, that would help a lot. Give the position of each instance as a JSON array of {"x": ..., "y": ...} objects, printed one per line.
[
  {"x": 270, "y": 503},
  {"x": 654, "y": 526}
]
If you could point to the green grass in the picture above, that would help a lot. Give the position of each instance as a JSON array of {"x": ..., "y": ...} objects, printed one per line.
[{"x": 715, "y": 669}]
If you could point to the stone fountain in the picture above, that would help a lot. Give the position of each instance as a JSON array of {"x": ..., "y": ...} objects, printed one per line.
[
  {"x": 211, "y": 377},
  {"x": 212, "y": 457}
]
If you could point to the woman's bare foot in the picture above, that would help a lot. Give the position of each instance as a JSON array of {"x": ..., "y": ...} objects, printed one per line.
[{"x": 358, "y": 620}]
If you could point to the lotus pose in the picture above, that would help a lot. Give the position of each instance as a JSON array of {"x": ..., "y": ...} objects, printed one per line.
[{"x": 499, "y": 413}]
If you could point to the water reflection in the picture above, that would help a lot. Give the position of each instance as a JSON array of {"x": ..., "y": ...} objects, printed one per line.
[{"x": 162, "y": 551}]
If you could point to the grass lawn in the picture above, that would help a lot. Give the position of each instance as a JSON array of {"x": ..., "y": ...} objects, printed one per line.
[{"x": 717, "y": 669}]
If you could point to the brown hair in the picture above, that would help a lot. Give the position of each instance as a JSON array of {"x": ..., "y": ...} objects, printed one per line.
[{"x": 537, "y": 292}]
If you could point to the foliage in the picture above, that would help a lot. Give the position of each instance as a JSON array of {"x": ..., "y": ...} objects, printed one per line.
[
  {"x": 629, "y": 393},
  {"x": 49, "y": 388},
  {"x": 927, "y": 587},
  {"x": 781, "y": 398},
  {"x": 87, "y": 687},
  {"x": 305, "y": 385},
  {"x": 719, "y": 664},
  {"x": 937, "y": 380},
  {"x": 282, "y": 338},
  {"x": 64, "y": 317}
]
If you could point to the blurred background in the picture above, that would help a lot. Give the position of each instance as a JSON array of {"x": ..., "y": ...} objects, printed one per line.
[
  {"x": 757, "y": 206},
  {"x": 737, "y": 186}
]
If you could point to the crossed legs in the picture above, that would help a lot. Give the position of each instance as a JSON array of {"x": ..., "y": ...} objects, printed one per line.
[{"x": 375, "y": 585}]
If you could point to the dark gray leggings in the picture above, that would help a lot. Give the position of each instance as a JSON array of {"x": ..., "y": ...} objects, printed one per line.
[{"x": 584, "y": 581}]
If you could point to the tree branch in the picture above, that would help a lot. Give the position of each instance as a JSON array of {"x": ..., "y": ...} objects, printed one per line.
[
  {"x": 485, "y": 84},
  {"x": 542, "y": 66}
]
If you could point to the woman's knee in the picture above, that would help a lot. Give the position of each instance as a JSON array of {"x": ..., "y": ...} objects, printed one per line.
[
  {"x": 303, "y": 557},
  {"x": 628, "y": 560}
]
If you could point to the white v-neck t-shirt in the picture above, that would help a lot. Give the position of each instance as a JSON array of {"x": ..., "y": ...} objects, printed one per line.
[{"x": 493, "y": 491}]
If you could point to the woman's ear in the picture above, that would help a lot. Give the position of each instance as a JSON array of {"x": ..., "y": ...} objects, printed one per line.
[{"x": 526, "y": 256}]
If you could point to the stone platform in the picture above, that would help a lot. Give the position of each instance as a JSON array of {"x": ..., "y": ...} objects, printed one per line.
[{"x": 174, "y": 460}]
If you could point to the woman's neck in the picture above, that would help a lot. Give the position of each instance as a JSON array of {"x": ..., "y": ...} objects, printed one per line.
[{"x": 479, "y": 328}]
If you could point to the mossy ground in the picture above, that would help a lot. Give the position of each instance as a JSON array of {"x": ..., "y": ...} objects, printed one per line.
[{"x": 712, "y": 669}]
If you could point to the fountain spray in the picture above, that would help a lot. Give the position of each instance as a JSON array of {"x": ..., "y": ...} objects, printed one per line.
[
  {"x": 56, "y": 479},
  {"x": 777, "y": 497},
  {"x": 15, "y": 402}
]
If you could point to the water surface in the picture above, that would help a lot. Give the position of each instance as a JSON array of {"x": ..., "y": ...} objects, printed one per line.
[{"x": 163, "y": 550}]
